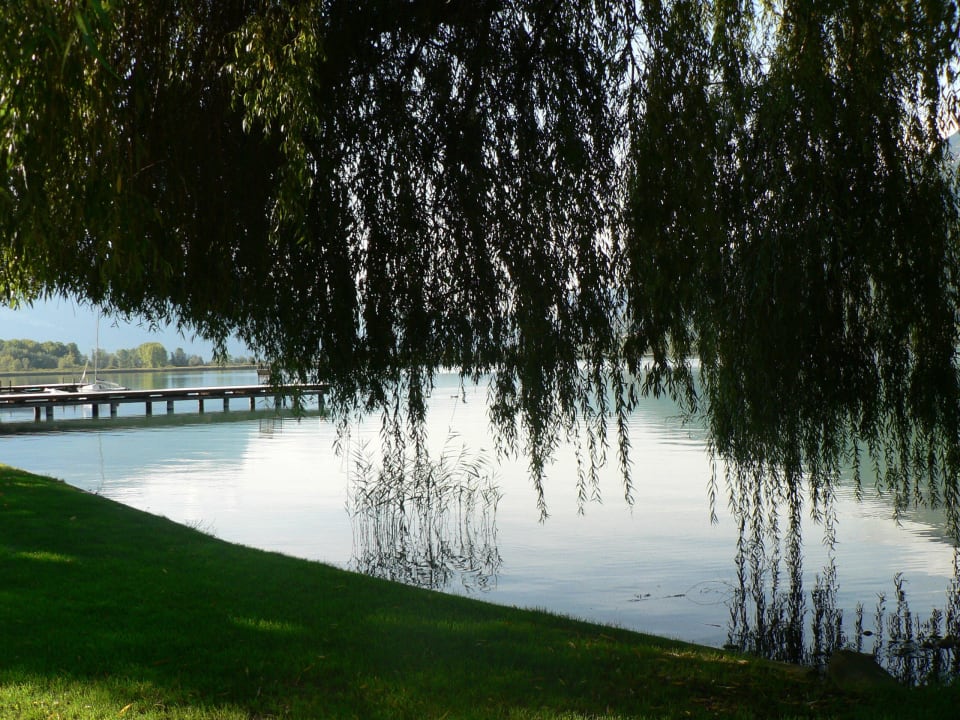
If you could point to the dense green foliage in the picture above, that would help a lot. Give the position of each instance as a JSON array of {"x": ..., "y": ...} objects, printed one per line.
[
  {"x": 23, "y": 355},
  {"x": 110, "y": 612},
  {"x": 582, "y": 198},
  {"x": 30, "y": 355}
]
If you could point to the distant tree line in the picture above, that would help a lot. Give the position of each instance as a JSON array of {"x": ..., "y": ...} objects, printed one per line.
[{"x": 24, "y": 355}]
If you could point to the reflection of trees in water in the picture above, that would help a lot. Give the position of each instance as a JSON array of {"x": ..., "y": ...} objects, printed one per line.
[
  {"x": 769, "y": 611},
  {"x": 768, "y": 603},
  {"x": 915, "y": 650},
  {"x": 425, "y": 522}
]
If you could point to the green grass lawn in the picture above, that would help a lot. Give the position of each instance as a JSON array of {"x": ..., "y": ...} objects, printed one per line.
[{"x": 108, "y": 612}]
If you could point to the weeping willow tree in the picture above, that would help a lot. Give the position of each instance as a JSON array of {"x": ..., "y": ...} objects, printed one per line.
[
  {"x": 586, "y": 200},
  {"x": 792, "y": 223}
]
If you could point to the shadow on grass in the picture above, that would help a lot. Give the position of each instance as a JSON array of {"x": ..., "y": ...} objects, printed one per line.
[{"x": 113, "y": 608}]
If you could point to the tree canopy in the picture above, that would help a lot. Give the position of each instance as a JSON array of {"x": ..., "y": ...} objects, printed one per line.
[
  {"x": 748, "y": 205},
  {"x": 23, "y": 356}
]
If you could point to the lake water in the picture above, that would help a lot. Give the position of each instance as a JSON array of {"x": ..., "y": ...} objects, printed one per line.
[{"x": 659, "y": 566}]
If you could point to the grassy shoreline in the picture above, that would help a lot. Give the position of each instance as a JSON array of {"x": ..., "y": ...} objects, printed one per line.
[{"x": 108, "y": 612}]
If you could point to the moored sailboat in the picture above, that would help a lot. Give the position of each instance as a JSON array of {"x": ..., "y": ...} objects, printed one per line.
[{"x": 97, "y": 385}]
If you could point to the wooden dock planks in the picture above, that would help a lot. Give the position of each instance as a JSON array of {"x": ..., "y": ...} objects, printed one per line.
[{"x": 43, "y": 403}]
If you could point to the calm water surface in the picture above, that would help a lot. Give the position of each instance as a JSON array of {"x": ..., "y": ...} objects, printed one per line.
[{"x": 659, "y": 566}]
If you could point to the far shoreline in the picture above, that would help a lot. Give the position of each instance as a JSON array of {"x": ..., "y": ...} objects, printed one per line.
[{"x": 128, "y": 371}]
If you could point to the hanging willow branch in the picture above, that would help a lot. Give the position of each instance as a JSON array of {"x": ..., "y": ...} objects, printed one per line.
[{"x": 584, "y": 200}]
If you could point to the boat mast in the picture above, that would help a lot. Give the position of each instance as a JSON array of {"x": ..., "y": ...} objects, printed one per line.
[{"x": 96, "y": 347}]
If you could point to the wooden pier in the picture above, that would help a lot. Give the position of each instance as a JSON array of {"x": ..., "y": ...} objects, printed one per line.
[{"x": 43, "y": 402}]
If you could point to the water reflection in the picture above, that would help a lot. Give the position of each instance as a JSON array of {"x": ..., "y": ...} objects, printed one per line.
[
  {"x": 772, "y": 615},
  {"x": 425, "y": 522},
  {"x": 269, "y": 419},
  {"x": 657, "y": 566}
]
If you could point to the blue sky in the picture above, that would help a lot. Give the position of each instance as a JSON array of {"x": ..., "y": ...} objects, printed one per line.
[{"x": 63, "y": 320}]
